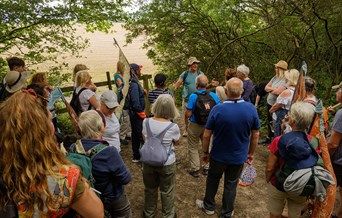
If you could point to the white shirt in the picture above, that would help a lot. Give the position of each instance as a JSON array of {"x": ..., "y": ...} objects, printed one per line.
[{"x": 111, "y": 134}]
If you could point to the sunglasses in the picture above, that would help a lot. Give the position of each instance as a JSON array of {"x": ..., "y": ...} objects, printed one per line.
[{"x": 111, "y": 109}]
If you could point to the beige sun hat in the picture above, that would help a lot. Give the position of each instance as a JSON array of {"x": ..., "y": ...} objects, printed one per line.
[
  {"x": 16, "y": 81},
  {"x": 337, "y": 86},
  {"x": 282, "y": 64},
  {"x": 193, "y": 60}
]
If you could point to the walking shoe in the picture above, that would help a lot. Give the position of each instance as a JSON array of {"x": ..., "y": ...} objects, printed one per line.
[
  {"x": 205, "y": 171},
  {"x": 199, "y": 204},
  {"x": 266, "y": 141},
  {"x": 124, "y": 142},
  {"x": 194, "y": 173},
  {"x": 185, "y": 134}
]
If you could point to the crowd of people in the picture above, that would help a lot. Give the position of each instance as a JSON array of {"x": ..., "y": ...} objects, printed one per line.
[{"x": 222, "y": 130}]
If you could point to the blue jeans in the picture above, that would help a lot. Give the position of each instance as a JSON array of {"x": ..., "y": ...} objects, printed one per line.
[
  {"x": 280, "y": 116},
  {"x": 231, "y": 178}
]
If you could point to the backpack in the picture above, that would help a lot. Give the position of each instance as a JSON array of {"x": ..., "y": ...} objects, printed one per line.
[
  {"x": 284, "y": 171},
  {"x": 204, "y": 103},
  {"x": 75, "y": 102},
  {"x": 153, "y": 152},
  {"x": 84, "y": 159},
  {"x": 321, "y": 115}
]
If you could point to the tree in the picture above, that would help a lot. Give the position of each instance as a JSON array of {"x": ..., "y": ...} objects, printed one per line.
[
  {"x": 42, "y": 30},
  {"x": 258, "y": 33}
]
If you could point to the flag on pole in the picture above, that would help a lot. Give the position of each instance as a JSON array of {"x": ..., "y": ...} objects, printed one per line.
[
  {"x": 299, "y": 93},
  {"x": 126, "y": 77},
  {"x": 54, "y": 96},
  {"x": 72, "y": 114}
]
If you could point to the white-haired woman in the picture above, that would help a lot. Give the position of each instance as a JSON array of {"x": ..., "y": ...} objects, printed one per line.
[
  {"x": 86, "y": 96},
  {"x": 284, "y": 100},
  {"x": 242, "y": 73},
  {"x": 163, "y": 177},
  {"x": 108, "y": 169},
  {"x": 295, "y": 150}
]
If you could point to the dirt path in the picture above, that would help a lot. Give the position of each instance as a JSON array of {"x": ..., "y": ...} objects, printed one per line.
[{"x": 250, "y": 201}]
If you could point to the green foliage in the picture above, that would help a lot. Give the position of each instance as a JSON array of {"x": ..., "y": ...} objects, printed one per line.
[
  {"x": 225, "y": 33},
  {"x": 42, "y": 30}
]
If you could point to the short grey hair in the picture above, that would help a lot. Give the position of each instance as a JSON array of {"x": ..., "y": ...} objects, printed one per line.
[
  {"x": 91, "y": 124},
  {"x": 302, "y": 115},
  {"x": 165, "y": 107},
  {"x": 243, "y": 69},
  {"x": 202, "y": 81},
  {"x": 234, "y": 90}
]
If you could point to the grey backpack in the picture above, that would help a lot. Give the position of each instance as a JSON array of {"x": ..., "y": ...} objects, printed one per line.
[{"x": 153, "y": 152}]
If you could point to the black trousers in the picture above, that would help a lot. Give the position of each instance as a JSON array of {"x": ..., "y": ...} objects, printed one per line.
[
  {"x": 270, "y": 133},
  {"x": 137, "y": 137}
]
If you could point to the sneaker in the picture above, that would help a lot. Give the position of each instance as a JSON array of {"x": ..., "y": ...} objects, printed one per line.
[
  {"x": 194, "y": 173},
  {"x": 135, "y": 160},
  {"x": 205, "y": 171},
  {"x": 200, "y": 205},
  {"x": 266, "y": 141},
  {"x": 185, "y": 134},
  {"x": 124, "y": 142}
]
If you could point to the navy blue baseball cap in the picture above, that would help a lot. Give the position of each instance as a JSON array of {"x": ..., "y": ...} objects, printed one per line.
[
  {"x": 135, "y": 66},
  {"x": 295, "y": 149}
]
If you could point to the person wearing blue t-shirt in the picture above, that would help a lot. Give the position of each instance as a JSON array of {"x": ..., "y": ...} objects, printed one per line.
[
  {"x": 188, "y": 79},
  {"x": 235, "y": 126},
  {"x": 195, "y": 128}
]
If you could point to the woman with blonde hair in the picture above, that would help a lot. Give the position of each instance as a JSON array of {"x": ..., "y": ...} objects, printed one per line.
[
  {"x": 220, "y": 90},
  {"x": 274, "y": 87},
  {"x": 86, "y": 96},
  {"x": 163, "y": 177},
  {"x": 109, "y": 171},
  {"x": 284, "y": 100},
  {"x": 77, "y": 68},
  {"x": 39, "y": 178}
]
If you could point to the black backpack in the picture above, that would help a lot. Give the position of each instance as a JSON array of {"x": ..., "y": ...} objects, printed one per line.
[
  {"x": 75, "y": 102},
  {"x": 204, "y": 103}
]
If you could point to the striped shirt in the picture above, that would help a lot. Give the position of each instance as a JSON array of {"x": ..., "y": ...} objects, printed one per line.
[{"x": 153, "y": 94}]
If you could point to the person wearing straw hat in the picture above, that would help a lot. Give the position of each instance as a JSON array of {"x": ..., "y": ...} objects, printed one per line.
[
  {"x": 274, "y": 87},
  {"x": 15, "y": 81},
  {"x": 335, "y": 144},
  {"x": 188, "y": 78}
]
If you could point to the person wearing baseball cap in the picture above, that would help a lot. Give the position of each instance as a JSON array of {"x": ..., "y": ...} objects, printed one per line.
[
  {"x": 108, "y": 104},
  {"x": 135, "y": 104},
  {"x": 335, "y": 142},
  {"x": 188, "y": 78}
]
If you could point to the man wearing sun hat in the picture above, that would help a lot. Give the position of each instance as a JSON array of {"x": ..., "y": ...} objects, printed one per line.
[
  {"x": 335, "y": 144},
  {"x": 188, "y": 78},
  {"x": 108, "y": 104}
]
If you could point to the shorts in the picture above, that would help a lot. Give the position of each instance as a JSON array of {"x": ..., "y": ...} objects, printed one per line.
[
  {"x": 338, "y": 173},
  {"x": 276, "y": 202}
]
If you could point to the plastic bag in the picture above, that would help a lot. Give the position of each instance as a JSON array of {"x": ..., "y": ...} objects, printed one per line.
[{"x": 248, "y": 175}]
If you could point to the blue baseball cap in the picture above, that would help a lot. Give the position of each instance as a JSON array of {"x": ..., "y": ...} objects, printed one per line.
[{"x": 135, "y": 66}]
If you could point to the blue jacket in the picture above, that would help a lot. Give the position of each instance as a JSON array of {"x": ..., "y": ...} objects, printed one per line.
[
  {"x": 109, "y": 171},
  {"x": 137, "y": 96}
]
